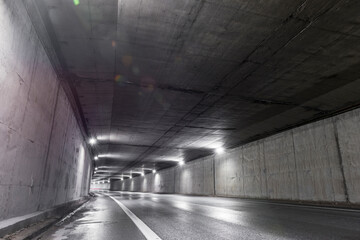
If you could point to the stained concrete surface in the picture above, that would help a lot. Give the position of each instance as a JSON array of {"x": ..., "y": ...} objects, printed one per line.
[
  {"x": 185, "y": 217},
  {"x": 160, "y": 79},
  {"x": 44, "y": 158},
  {"x": 317, "y": 162},
  {"x": 189, "y": 77}
]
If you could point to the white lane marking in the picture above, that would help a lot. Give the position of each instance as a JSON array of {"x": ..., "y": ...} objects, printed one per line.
[
  {"x": 252, "y": 201},
  {"x": 145, "y": 230}
]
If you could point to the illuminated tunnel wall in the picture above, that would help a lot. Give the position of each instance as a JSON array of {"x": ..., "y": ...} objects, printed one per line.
[
  {"x": 44, "y": 160},
  {"x": 316, "y": 162}
]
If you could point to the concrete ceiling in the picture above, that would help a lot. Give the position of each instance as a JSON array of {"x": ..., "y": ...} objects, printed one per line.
[{"x": 159, "y": 80}]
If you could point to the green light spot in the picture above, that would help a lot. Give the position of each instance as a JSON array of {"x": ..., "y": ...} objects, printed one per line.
[{"x": 76, "y": 2}]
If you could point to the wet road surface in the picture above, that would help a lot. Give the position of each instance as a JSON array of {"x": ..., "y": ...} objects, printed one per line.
[{"x": 131, "y": 216}]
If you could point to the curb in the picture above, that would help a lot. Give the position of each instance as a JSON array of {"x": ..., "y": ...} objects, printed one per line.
[{"x": 10, "y": 226}]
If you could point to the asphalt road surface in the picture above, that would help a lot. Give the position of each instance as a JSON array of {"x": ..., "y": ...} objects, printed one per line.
[{"x": 131, "y": 216}]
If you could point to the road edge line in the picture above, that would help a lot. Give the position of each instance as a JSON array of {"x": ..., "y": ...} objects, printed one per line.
[{"x": 145, "y": 230}]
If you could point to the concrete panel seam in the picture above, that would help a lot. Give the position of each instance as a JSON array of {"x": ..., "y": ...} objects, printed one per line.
[
  {"x": 63, "y": 148},
  {"x": 296, "y": 169},
  {"x": 49, "y": 142},
  {"x": 346, "y": 191},
  {"x": 330, "y": 168},
  {"x": 214, "y": 174}
]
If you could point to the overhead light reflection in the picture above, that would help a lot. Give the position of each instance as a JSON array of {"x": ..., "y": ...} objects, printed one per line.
[{"x": 115, "y": 155}]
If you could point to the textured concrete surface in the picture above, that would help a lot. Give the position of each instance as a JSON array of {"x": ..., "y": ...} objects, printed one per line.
[
  {"x": 164, "y": 181},
  {"x": 44, "y": 159},
  {"x": 160, "y": 182},
  {"x": 317, "y": 162},
  {"x": 157, "y": 80},
  {"x": 348, "y": 131},
  {"x": 197, "y": 177},
  {"x": 25, "y": 226},
  {"x": 184, "y": 217},
  {"x": 161, "y": 81},
  {"x": 99, "y": 186}
]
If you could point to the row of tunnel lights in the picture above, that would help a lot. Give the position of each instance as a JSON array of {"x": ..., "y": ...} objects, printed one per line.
[
  {"x": 130, "y": 177},
  {"x": 93, "y": 141}
]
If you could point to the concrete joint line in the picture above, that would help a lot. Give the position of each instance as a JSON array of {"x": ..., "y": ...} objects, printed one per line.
[
  {"x": 145, "y": 230},
  {"x": 345, "y": 186}
]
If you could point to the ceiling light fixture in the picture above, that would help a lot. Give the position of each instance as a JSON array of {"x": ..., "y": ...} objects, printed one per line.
[
  {"x": 154, "y": 170},
  {"x": 219, "y": 150},
  {"x": 96, "y": 157},
  {"x": 92, "y": 141}
]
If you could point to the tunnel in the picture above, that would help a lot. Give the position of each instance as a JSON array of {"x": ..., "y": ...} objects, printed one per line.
[{"x": 179, "y": 119}]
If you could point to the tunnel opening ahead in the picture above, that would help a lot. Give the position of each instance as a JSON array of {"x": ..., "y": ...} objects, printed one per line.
[{"x": 106, "y": 104}]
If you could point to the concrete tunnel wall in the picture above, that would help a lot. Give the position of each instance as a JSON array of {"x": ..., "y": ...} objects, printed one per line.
[
  {"x": 315, "y": 162},
  {"x": 99, "y": 186},
  {"x": 44, "y": 160}
]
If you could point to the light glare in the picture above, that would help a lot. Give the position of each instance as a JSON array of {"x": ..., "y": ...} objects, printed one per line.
[
  {"x": 92, "y": 141},
  {"x": 220, "y": 150},
  {"x": 181, "y": 163},
  {"x": 154, "y": 171}
]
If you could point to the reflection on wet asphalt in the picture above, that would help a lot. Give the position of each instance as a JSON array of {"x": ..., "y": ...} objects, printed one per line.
[{"x": 189, "y": 217}]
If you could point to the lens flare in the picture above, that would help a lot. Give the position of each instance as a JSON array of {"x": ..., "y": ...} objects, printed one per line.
[
  {"x": 135, "y": 70},
  {"x": 127, "y": 60},
  {"x": 148, "y": 84},
  {"x": 120, "y": 78},
  {"x": 117, "y": 78}
]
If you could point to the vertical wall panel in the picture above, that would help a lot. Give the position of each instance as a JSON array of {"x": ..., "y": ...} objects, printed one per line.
[
  {"x": 315, "y": 162},
  {"x": 34, "y": 124},
  {"x": 348, "y": 129}
]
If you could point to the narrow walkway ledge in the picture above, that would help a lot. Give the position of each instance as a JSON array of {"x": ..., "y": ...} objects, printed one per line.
[{"x": 14, "y": 224}]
